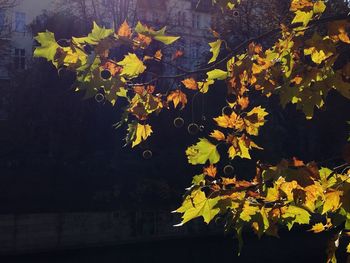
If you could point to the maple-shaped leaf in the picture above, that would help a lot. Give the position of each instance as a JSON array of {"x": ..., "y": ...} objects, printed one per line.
[
  {"x": 332, "y": 201},
  {"x": 254, "y": 120},
  {"x": 48, "y": 46},
  {"x": 113, "y": 68},
  {"x": 97, "y": 34},
  {"x": 248, "y": 211},
  {"x": 202, "y": 152},
  {"x": 124, "y": 30},
  {"x": 230, "y": 121},
  {"x": 215, "y": 49},
  {"x": 177, "y": 97},
  {"x": 157, "y": 35},
  {"x": 158, "y": 55},
  {"x": 240, "y": 147},
  {"x": 218, "y": 135},
  {"x": 303, "y": 17},
  {"x": 211, "y": 170},
  {"x": 142, "y": 133},
  {"x": 198, "y": 205},
  {"x": 132, "y": 66},
  {"x": 190, "y": 83},
  {"x": 319, "y": 7}
]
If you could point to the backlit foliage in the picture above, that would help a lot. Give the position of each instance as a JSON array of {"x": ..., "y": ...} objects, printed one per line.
[{"x": 301, "y": 68}]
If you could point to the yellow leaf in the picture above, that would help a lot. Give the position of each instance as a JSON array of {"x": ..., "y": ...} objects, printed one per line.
[
  {"x": 217, "y": 74},
  {"x": 332, "y": 201},
  {"x": 202, "y": 152},
  {"x": 302, "y": 17},
  {"x": 142, "y": 133},
  {"x": 177, "y": 97},
  {"x": 318, "y": 228},
  {"x": 218, "y": 135},
  {"x": 248, "y": 211},
  {"x": 319, "y": 7},
  {"x": 132, "y": 66},
  {"x": 198, "y": 205},
  {"x": 215, "y": 49},
  {"x": 190, "y": 83},
  {"x": 348, "y": 248},
  {"x": 203, "y": 87},
  {"x": 254, "y": 120},
  {"x": 158, "y": 55},
  {"x": 230, "y": 121},
  {"x": 124, "y": 30}
]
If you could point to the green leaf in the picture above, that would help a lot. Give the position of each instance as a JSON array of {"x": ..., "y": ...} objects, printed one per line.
[
  {"x": 201, "y": 152},
  {"x": 215, "y": 49},
  {"x": 48, "y": 46},
  {"x": 157, "y": 35},
  {"x": 217, "y": 74},
  {"x": 297, "y": 215},
  {"x": 132, "y": 66},
  {"x": 198, "y": 205},
  {"x": 97, "y": 34}
]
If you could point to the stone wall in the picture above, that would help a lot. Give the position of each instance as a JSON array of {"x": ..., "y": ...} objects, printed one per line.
[{"x": 47, "y": 232}]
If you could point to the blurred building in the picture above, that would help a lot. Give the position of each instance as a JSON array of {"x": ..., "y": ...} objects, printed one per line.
[
  {"x": 182, "y": 17},
  {"x": 16, "y": 42}
]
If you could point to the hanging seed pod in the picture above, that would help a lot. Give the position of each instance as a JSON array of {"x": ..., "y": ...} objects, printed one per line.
[
  {"x": 193, "y": 129},
  {"x": 99, "y": 97},
  {"x": 229, "y": 170},
  {"x": 226, "y": 110},
  {"x": 147, "y": 154},
  {"x": 179, "y": 122},
  {"x": 106, "y": 74}
]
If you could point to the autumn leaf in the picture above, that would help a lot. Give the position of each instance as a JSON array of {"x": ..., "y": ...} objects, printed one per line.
[
  {"x": 48, "y": 46},
  {"x": 211, "y": 170},
  {"x": 198, "y": 205},
  {"x": 124, "y": 30},
  {"x": 142, "y": 133},
  {"x": 203, "y": 87},
  {"x": 190, "y": 83},
  {"x": 113, "y": 68},
  {"x": 177, "y": 97},
  {"x": 215, "y": 49},
  {"x": 202, "y": 152},
  {"x": 337, "y": 30},
  {"x": 240, "y": 147},
  {"x": 254, "y": 120},
  {"x": 332, "y": 201},
  {"x": 132, "y": 66},
  {"x": 248, "y": 211},
  {"x": 158, "y": 55},
  {"x": 218, "y": 135},
  {"x": 217, "y": 74},
  {"x": 230, "y": 121}
]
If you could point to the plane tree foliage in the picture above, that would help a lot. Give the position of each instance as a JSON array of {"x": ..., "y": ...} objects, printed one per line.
[{"x": 300, "y": 61}]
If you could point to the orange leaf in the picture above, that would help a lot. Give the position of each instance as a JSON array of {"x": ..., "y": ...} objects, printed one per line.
[
  {"x": 177, "y": 54},
  {"x": 158, "y": 55},
  {"x": 218, "y": 135},
  {"x": 190, "y": 84},
  {"x": 113, "y": 68},
  {"x": 210, "y": 171},
  {"x": 124, "y": 30},
  {"x": 177, "y": 97}
]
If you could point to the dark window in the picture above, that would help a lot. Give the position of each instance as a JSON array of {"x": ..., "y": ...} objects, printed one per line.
[{"x": 20, "y": 59}]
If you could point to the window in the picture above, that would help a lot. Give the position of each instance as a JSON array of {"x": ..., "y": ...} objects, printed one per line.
[
  {"x": 20, "y": 22},
  {"x": 196, "y": 21},
  {"x": 20, "y": 59}
]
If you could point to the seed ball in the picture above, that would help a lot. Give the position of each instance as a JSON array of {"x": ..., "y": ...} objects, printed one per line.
[
  {"x": 193, "y": 129},
  {"x": 229, "y": 170},
  {"x": 201, "y": 128},
  {"x": 106, "y": 74},
  {"x": 235, "y": 13},
  {"x": 231, "y": 98},
  {"x": 99, "y": 97},
  {"x": 179, "y": 122},
  {"x": 147, "y": 154},
  {"x": 226, "y": 110}
]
